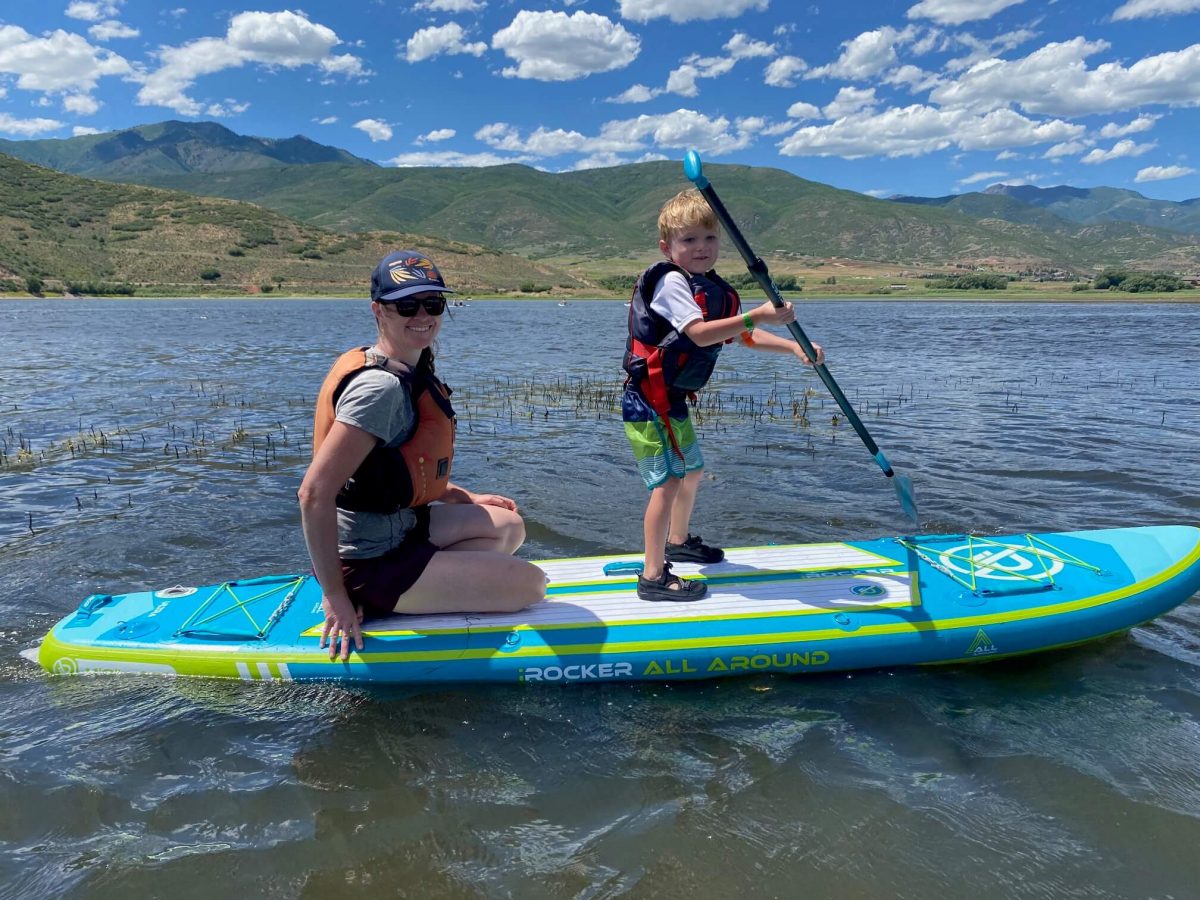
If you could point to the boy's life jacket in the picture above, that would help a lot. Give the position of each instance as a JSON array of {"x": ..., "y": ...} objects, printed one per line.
[
  {"x": 661, "y": 360},
  {"x": 391, "y": 478}
]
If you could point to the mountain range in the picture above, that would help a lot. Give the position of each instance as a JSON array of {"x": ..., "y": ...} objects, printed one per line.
[
  {"x": 172, "y": 148},
  {"x": 1085, "y": 206},
  {"x": 604, "y": 218}
]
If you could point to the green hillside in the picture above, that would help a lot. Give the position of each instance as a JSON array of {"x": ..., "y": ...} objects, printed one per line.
[
  {"x": 603, "y": 213},
  {"x": 61, "y": 231}
]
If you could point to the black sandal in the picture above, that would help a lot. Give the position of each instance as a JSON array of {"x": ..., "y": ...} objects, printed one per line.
[
  {"x": 694, "y": 550},
  {"x": 664, "y": 587}
]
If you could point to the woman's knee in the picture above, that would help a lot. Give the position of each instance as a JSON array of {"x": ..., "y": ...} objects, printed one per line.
[
  {"x": 529, "y": 583},
  {"x": 510, "y": 528}
]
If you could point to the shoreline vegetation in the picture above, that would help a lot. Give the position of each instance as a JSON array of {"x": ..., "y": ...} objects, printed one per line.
[
  {"x": 916, "y": 296},
  {"x": 829, "y": 280}
]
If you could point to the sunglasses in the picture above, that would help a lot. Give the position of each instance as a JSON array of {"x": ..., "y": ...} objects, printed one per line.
[{"x": 408, "y": 306}]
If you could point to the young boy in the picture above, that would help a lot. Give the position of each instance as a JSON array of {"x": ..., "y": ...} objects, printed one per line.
[{"x": 680, "y": 315}]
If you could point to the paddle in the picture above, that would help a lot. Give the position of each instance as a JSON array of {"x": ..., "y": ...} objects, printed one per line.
[{"x": 695, "y": 173}]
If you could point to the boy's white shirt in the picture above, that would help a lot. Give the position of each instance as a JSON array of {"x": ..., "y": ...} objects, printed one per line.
[{"x": 673, "y": 301}]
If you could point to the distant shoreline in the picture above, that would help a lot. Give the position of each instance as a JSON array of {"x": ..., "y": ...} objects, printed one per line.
[{"x": 1190, "y": 296}]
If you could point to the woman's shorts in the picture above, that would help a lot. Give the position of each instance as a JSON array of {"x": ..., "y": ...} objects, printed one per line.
[
  {"x": 657, "y": 459},
  {"x": 376, "y": 584}
]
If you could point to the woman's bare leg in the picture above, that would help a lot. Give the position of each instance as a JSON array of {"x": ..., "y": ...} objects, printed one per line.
[
  {"x": 474, "y": 581},
  {"x": 471, "y": 526},
  {"x": 474, "y": 571}
]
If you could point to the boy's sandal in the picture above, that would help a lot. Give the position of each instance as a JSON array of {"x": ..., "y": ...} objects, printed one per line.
[
  {"x": 694, "y": 550},
  {"x": 670, "y": 587}
]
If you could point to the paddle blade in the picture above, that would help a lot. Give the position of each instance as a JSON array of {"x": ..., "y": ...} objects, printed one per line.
[
  {"x": 694, "y": 170},
  {"x": 904, "y": 493}
]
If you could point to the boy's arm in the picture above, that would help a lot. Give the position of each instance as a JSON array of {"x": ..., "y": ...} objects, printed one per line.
[
  {"x": 705, "y": 334},
  {"x": 764, "y": 340}
]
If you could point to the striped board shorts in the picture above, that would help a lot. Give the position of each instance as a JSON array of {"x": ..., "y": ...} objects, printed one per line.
[{"x": 656, "y": 459}]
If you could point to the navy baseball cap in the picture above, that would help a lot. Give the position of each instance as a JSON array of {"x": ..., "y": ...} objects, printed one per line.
[{"x": 405, "y": 272}]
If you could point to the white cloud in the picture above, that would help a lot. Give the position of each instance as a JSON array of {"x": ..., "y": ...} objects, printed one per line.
[
  {"x": 56, "y": 62},
  {"x": 1055, "y": 80},
  {"x": 450, "y": 6},
  {"x": 438, "y": 134},
  {"x": 1066, "y": 148},
  {"x": 683, "y": 128},
  {"x": 980, "y": 176},
  {"x": 608, "y": 160},
  {"x": 89, "y": 11},
  {"x": 451, "y": 158},
  {"x": 110, "y": 29},
  {"x": 27, "y": 127},
  {"x": 284, "y": 39},
  {"x": 441, "y": 39},
  {"x": 344, "y": 64},
  {"x": 742, "y": 46},
  {"x": 374, "y": 129},
  {"x": 918, "y": 130},
  {"x": 683, "y": 80},
  {"x": 913, "y": 78},
  {"x": 638, "y": 93},
  {"x": 802, "y": 110},
  {"x": 1007, "y": 154},
  {"x": 782, "y": 71},
  {"x": 540, "y": 142},
  {"x": 1141, "y": 123},
  {"x": 980, "y": 49},
  {"x": 1119, "y": 150},
  {"x": 1143, "y": 9},
  {"x": 328, "y": 120},
  {"x": 866, "y": 55},
  {"x": 956, "y": 12},
  {"x": 1162, "y": 173},
  {"x": 778, "y": 128},
  {"x": 81, "y": 104},
  {"x": 848, "y": 101},
  {"x": 552, "y": 46},
  {"x": 81, "y": 130},
  {"x": 687, "y": 10}
]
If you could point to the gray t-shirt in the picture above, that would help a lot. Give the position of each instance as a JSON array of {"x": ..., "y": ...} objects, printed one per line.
[
  {"x": 378, "y": 403},
  {"x": 673, "y": 300}
]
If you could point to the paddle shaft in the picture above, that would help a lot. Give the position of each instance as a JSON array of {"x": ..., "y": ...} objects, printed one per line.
[{"x": 758, "y": 269}]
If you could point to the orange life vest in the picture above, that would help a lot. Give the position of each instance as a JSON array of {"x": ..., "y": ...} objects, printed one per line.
[{"x": 391, "y": 478}]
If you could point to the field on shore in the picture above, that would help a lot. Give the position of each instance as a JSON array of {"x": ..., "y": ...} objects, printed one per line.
[{"x": 823, "y": 279}]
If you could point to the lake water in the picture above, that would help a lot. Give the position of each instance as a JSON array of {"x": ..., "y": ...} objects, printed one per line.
[{"x": 147, "y": 444}]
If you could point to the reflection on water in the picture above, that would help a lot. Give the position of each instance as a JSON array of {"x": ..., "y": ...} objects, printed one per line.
[{"x": 154, "y": 443}]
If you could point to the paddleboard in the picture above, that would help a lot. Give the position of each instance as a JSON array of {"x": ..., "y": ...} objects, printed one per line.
[{"x": 924, "y": 599}]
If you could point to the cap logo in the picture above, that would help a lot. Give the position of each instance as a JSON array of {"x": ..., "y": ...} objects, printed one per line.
[{"x": 413, "y": 268}]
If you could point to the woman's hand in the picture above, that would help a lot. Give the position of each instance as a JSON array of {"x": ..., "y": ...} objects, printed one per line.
[
  {"x": 494, "y": 500},
  {"x": 342, "y": 623},
  {"x": 456, "y": 494}
]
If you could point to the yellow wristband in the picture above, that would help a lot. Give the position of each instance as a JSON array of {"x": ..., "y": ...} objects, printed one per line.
[{"x": 747, "y": 321}]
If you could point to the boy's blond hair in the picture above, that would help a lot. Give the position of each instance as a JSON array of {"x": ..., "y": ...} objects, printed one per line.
[{"x": 687, "y": 209}]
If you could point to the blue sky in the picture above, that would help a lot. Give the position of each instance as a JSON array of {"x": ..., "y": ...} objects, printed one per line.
[{"x": 925, "y": 97}]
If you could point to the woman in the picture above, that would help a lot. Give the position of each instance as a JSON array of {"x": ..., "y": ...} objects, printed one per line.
[{"x": 383, "y": 442}]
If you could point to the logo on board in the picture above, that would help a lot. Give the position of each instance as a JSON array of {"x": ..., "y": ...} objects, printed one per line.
[
  {"x": 982, "y": 645},
  {"x": 1001, "y": 563}
]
